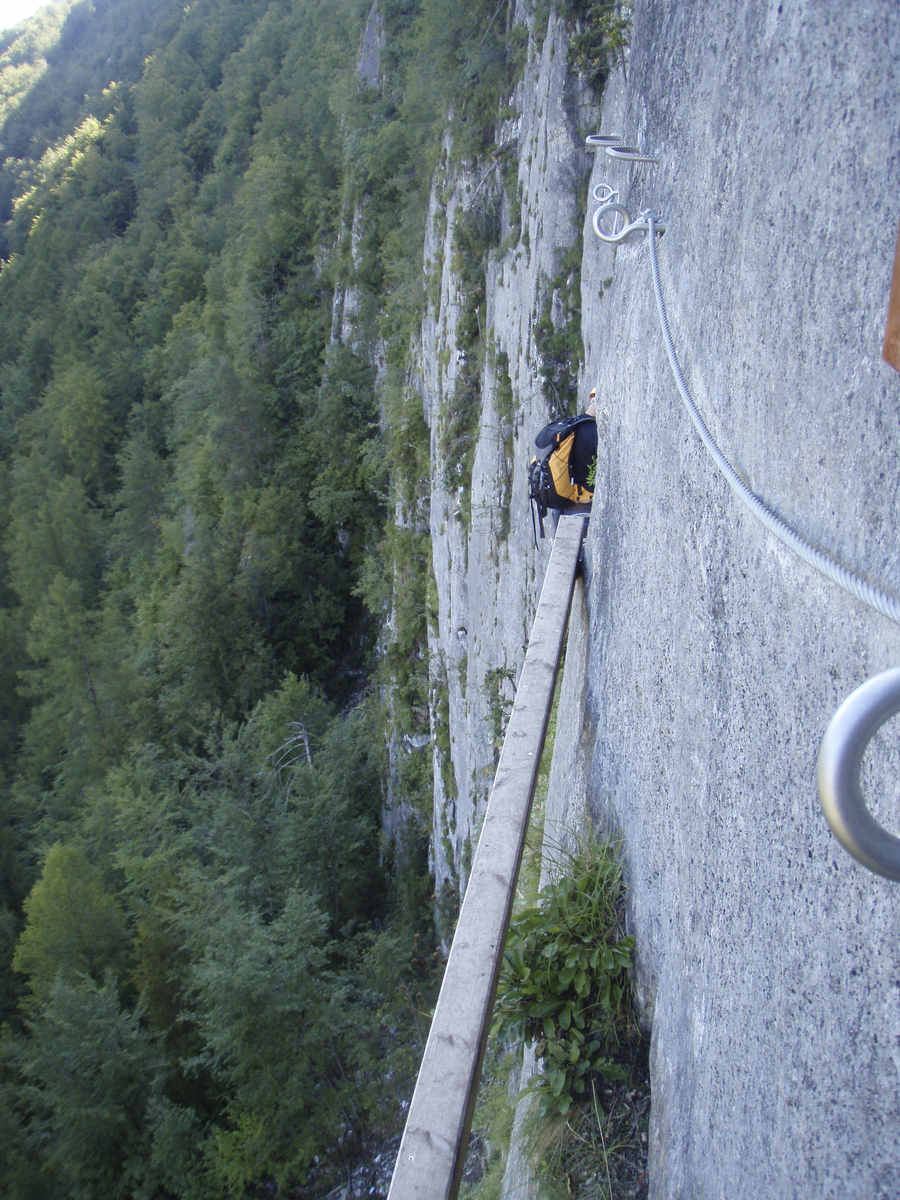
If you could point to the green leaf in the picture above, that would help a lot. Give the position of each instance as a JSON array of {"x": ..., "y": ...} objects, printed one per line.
[{"x": 544, "y": 1009}]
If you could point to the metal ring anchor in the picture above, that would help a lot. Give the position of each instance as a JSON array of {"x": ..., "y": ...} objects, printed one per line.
[
  {"x": 838, "y": 773},
  {"x": 603, "y": 193},
  {"x": 630, "y": 154},
  {"x": 619, "y": 233}
]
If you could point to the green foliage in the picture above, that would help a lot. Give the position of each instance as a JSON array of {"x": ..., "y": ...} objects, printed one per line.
[
  {"x": 600, "y": 1147},
  {"x": 23, "y": 52},
  {"x": 505, "y": 397},
  {"x": 497, "y": 683},
  {"x": 492, "y": 1128},
  {"x": 603, "y": 35},
  {"x": 557, "y": 334},
  {"x": 197, "y": 467},
  {"x": 74, "y": 928},
  {"x": 256, "y": 986},
  {"x": 469, "y": 58},
  {"x": 405, "y": 661},
  {"x": 251, "y": 872},
  {"x": 459, "y": 435},
  {"x": 10, "y": 993},
  {"x": 333, "y": 833},
  {"x": 564, "y": 987},
  {"x": 89, "y": 1071}
]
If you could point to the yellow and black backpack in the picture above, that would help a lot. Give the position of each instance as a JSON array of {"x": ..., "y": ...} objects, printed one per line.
[{"x": 557, "y": 477}]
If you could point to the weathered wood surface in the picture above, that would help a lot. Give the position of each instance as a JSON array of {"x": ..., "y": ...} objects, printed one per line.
[
  {"x": 433, "y": 1149},
  {"x": 890, "y": 351}
]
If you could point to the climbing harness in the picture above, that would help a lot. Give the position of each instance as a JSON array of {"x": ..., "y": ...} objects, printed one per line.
[{"x": 864, "y": 712}]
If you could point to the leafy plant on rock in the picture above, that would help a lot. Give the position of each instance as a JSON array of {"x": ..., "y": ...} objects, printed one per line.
[{"x": 564, "y": 983}]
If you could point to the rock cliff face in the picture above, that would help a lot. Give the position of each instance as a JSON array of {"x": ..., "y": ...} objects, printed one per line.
[
  {"x": 706, "y": 660},
  {"x": 769, "y": 958},
  {"x": 486, "y": 565}
]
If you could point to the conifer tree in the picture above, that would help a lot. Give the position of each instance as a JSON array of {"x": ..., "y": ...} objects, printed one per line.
[{"x": 73, "y": 927}]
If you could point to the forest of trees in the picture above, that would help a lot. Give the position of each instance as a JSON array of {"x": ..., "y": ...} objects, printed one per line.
[{"x": 213, "y": 968}]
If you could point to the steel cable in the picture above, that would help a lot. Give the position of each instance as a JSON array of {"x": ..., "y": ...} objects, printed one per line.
[{"x": 887, "y": 605}]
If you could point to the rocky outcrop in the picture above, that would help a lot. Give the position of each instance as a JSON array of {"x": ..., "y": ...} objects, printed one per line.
[{"x": 369, "y": 67}]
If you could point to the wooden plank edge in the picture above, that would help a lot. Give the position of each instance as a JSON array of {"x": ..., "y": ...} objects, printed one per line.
[{"x": 433, "y": 1148}]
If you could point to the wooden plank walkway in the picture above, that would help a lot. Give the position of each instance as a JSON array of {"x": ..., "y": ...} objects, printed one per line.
[{"x": 433, "y": 1150}]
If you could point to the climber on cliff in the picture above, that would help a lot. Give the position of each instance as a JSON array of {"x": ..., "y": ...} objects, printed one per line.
[{"x": 562, "y": 473}]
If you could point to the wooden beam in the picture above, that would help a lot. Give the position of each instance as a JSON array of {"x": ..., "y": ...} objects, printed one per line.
[
  {"x": 433, "y": 1149},
  {"x": 890, "y": 351}
]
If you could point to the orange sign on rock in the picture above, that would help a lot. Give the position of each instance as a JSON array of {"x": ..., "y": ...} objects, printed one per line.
[{"x": 890, "y": 351}]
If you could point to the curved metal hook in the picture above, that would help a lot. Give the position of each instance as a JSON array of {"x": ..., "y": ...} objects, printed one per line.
[
  {"x": 630, "y": 154},
  {"x": 617, "y": 234},
  {"x": 840, "y": 762},
  {"x": 603, "y": 193},
  {"x": 593, "y": 141}
]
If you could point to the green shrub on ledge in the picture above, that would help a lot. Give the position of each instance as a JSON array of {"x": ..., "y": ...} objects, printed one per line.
[{"x": 564, "y": 984}]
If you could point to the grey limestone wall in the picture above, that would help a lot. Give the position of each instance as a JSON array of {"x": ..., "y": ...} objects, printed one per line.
[
  {"x": 705, "y": 660},
  {"x": 769, "y": 961},
  {"x": 487, "y": 568}
]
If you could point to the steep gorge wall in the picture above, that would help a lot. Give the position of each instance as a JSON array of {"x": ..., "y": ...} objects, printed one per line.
[
  {"x": 705, "y": 660},
  {"x": 769, "y": 960},
  {"x": 487, "y": 568}
]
